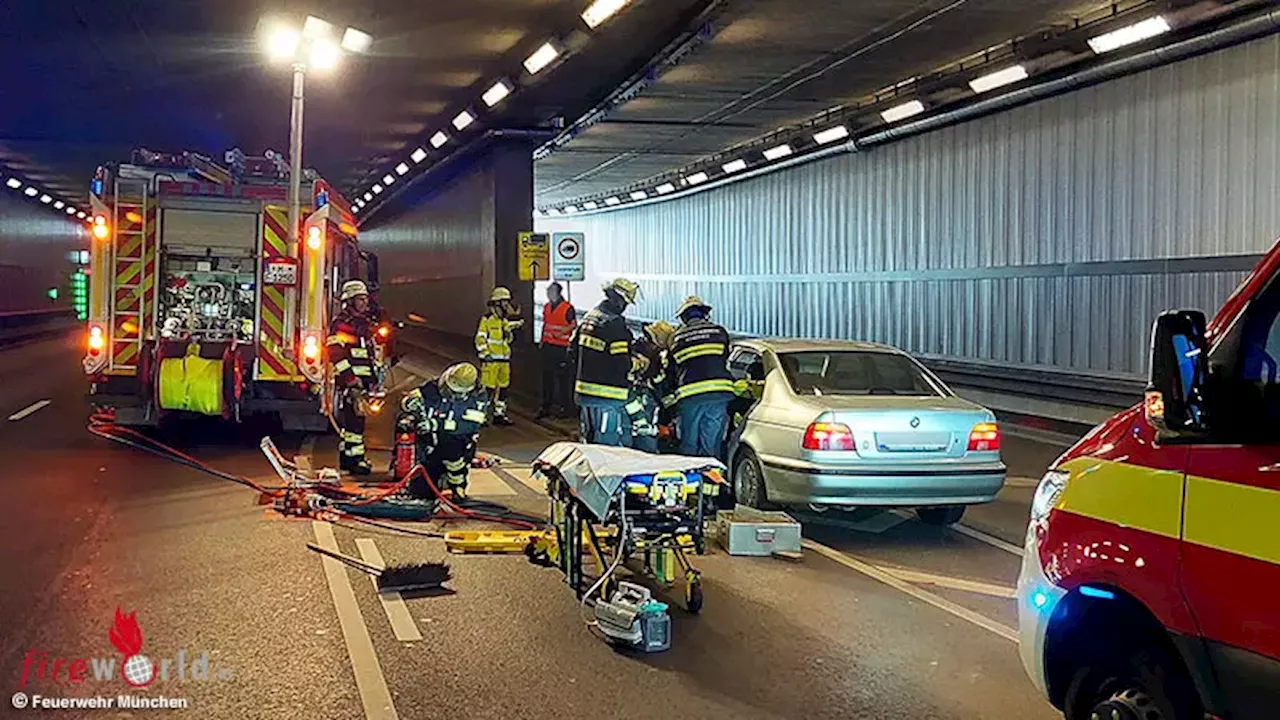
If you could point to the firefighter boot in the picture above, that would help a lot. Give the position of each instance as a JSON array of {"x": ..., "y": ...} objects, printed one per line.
[{"x": 355, "y": 465}]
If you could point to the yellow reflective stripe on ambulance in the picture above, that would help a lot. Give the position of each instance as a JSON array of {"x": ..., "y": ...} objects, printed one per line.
[
  {"x": 1233, "y": 517},
  {"x": 694, "y": 351},
  {"x": 619, "y": 348},
  {"x": 1126, "y": 494},
  {"x": 704, "y": 386},
  {"x": 591, "y": 343},
  {"x": 601, "y": 391}
]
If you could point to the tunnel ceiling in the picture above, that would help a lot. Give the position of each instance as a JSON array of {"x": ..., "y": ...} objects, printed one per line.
[
  {"x": 765, "y": 65},
  {"x": 89, "y": 80}
]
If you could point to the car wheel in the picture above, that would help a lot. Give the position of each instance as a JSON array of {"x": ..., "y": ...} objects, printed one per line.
[
  {"x": 1147, "y": 686},
  {"x": 748, "y": 481},
  {"x": 940, "y": 516}
]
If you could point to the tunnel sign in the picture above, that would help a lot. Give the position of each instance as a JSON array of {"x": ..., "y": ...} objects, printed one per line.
[
  {"x": 569, "y": 264},
  {"x": 535, "y": 256}
]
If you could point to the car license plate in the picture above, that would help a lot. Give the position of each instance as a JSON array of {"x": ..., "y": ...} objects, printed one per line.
[{"x": 280, "y": 271}]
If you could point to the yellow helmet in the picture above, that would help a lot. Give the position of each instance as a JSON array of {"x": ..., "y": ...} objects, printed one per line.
[
  {"x": 499, "y": 294},
  {"x": 354, "y": 288},
  {"x": 693, "y": 301},
  {"x": 624, "y": 288},
  {"x": 460, "y": 378},
  {"x": 660, "y": 333}
]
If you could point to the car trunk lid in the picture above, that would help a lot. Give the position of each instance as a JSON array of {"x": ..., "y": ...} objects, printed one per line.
[{"x": 899, "y": 428}]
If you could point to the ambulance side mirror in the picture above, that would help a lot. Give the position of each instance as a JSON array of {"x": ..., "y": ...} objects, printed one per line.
[{"x": 1174, "y": 399}]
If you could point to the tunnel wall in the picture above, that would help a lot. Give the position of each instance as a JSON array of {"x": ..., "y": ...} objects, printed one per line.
[
  {"x": 1049, "y": 235},
  {"x": 34, "y": 248}
]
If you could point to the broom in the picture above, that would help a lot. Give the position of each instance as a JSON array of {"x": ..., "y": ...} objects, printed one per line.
[{"x": 415, "y": 577}]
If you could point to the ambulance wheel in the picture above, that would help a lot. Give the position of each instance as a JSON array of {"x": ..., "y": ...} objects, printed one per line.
[
  {"x": 693, "y": 593},
  {"x": 1149, "y": 685}
]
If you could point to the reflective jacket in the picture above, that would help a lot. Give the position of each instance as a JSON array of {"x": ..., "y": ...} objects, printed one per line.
[
  {"x": 558, "y": 323},
  {"x": 350, "y": 348},
  {"x": 603, "y": 348},
  {"x": 699, "y": 360},
  {"x": 493, "y": 338},
  {"x": 444, "y": 421}
]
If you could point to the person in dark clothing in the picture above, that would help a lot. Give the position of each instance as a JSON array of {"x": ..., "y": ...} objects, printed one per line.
[
  {"x": 698, "y": 358},
  {"x": 601, "y": 352},
  {"x": 446, "y": 414},
  {"x": 351, "y": 351},
  {"x": 558, "y": 323}
]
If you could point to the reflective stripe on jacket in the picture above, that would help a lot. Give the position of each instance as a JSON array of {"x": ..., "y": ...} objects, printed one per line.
[
  {"x": 604, "y": 357},
  {"x": 350, "y": 350},
  {"x": 558, "y": 323},
  {"x": 699, "y": 356}
]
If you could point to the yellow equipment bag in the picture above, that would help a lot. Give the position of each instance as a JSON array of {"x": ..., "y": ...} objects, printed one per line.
[{"x": 191, "y": 383}]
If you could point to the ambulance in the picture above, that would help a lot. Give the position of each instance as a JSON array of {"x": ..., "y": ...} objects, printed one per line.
[
  {"x": 201, "y": 302},
  {"x": 1150, "y": 582}
]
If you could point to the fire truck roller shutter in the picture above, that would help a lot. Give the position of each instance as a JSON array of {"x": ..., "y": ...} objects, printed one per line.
[{"x": 233, "y": 231}]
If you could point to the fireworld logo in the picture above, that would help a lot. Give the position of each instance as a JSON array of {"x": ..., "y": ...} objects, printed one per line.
[{"x": 135, "y": 669}]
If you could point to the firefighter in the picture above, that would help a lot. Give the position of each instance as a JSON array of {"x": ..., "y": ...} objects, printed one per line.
[
  {"x": 493, "y": 345},
  {"x": 601, "y": 352},
  {"x": 351, "y": 351},
  {"x": 446, "y": 415},
  {"x": 558, "y": 323},
  {"x": 648, "y": 385},
  {"x": 698, "y": 358}
]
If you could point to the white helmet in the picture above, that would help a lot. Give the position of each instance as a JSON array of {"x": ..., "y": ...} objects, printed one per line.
[{"x": 354, "y": 288}]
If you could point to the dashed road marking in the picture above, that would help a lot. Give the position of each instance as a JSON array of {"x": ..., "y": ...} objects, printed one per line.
[
  {"x": 31, "y": 409},
  {"x": 925, "y": 596},
  {"x": 370, "y": 683},
  {"x": 951, "y": 583},
  {"x": 402, "y": 624},
  {"x": 991, "y": 540}
]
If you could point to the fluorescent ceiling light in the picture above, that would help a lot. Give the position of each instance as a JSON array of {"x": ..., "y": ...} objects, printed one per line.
[
  {"x": 780, "y": 151},
  {"x": 402, "y": 168},
  {"x": 71, "y": 210},
  {"x": 355, "y": 210},
  {"x": 314, "y": 27},
  {"x": 80, "y": 214},
  {"x": 734, "y": 166},
  {"x": 388, "y": 179},
  {"x": 439, "y": 139},
  {"x": 356, "y": 41},
  {"x": 46, "y": 199},
  {"x": 463, "y": 119},
  {"x": 14, "y": 183},
  {"x": 694, "y": 179},
  {"x": 665, "y": 188},
  {"x": 496, "y": 93},
  {"x": 31, "y": 192},
  {"x": 639, "y": 195},
  {"x": 591, "y": 205},
  {"x": 541, "y": 58},
  {"x": 552, "y": 211},
  {"x": 377, "y": 189},
  {"x": 418, "y": 155},
  {"x": 368, "y": 196},
  {"x": 611, "y": 201},
  {"x": 571, "y": 209},
  {"x": 59, "y": 204},
  {"x": 903, "y": 111},
  {"x": 1129, "y": 34},
  {"x": 601, "y": 10},
  {"x": 324, "y": 55},
  {"x": 830, "y": 135},
  {"x": 998, "y": 78}
]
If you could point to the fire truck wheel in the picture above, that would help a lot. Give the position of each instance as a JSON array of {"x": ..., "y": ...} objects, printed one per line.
[{"x": 1149, "y": 685}]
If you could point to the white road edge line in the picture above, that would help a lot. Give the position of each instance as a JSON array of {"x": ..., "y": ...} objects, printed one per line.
[
  {"x": 991, "y": 540},
  {"x": 925, "y": 596},
  {"x": 31, "y": 409},
  {"x": 951, "y": 583},
  {"x": 372, "y": 686},
  {"x": 402, "y": 624}
]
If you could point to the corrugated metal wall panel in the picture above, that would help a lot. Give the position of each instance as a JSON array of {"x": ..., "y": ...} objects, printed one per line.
[
  {"x": 957, "y": 243},
  {"x": 34, "y": 247}
]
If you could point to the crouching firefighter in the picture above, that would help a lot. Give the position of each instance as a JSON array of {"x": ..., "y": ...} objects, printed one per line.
[
  {"x": 446, "y": 415},
  {"x": 350, "y": 348}
]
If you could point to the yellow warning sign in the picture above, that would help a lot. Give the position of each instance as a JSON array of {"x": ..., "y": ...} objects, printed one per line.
[{"x": 535, "y": 256}]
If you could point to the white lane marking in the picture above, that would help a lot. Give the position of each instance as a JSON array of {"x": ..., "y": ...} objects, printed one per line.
[
  {"x": 1021, "y": 482},
  {"x": 991, "y": 540},
  {"x": 31, "y": 409},
  {"x": 951, "y": 583},
  {"x": 372, "y": 686},
  {"x": 925, "y": 596},
  {"x": 402, "y": 624},
  {"x": 485, "y": 483}
]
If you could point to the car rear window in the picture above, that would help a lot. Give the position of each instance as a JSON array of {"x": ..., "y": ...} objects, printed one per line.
[{"x": 855, "y": 373}]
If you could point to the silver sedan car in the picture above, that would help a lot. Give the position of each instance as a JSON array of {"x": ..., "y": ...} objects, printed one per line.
[{"x": 858, "y": 424}]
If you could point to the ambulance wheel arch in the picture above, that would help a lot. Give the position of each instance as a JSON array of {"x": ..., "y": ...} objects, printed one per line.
[{"x": 1097, "y": 648}]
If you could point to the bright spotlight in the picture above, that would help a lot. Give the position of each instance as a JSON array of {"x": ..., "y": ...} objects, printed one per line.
[
  {"x": 355, "y": 41},
  {"x": 324, "y": 55},
  {"x": 282, "y": 43},
  {"x": 315, "y": 28}
]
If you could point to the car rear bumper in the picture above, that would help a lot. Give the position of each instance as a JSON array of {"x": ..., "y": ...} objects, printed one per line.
[{"x": 797, "y": 482}]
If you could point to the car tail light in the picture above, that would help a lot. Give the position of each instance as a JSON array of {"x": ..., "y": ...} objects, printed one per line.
[
  {"x": 828, "y": 436},
  {"x": 984, "y": 437}
]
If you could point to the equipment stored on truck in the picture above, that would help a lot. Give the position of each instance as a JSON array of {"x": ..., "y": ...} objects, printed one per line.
[{"x": 201, "y": 300}]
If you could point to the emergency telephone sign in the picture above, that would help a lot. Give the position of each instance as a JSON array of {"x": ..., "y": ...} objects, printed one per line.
[
  {"x": 535, "y": 256},
  {"x": 569, "y": 264}
]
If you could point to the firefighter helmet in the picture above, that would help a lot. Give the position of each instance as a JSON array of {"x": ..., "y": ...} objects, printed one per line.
[
  {"x": 624, "y": 289},
  {"x": 354, "y": 288},
  {"x": 499, "y": 294},
  {"x": 459, "y": 379},
  {"x": 691, "y": 302},
  {"x": 660, "y": 333}
]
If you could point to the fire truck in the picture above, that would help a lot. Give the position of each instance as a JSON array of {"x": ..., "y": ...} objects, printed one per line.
[
  {"x": 199, "y": 299},
  {"x": 1151, "y": 573}
]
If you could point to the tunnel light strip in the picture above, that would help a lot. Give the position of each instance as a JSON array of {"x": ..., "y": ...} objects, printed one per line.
[
  {"x": 780, "y": 151},
  {"x": 903, "y": 111},
  {"x": 463, "y": 119},
  {"x": 999, "y": 78},
  {"x": 541, "y": 58},
  {"x": 13, "y": 183},
  {"x": 402, "y": 168},
  {"x": 388, "y": 180},
  {"x": 1128, "y": 35},
  {"x": 496, "y": 93},
  {"x": 831, "y": 135},
  {"x": 696, "y": 178},
  {"x": 639, "y": 195},
  {"x": 418, "y": 156},
  {"x": 734, "y": 166},
  {"x": 377, "y": 189},
  {"x": 591, "y": 205},
  {"x": 611, "y": 201},
  {"x": 665, "y": 188},
  {"x": 440, "y": 138},
  {"x": 602, "y": 10},
  {"x": 31, "y": 192}
]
